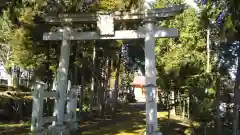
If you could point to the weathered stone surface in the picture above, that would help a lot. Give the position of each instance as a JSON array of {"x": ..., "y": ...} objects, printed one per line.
[{"x": 58, "y": 130}]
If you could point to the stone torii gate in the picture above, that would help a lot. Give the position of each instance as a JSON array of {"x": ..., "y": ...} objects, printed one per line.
[{"x": 105, "y": 22}]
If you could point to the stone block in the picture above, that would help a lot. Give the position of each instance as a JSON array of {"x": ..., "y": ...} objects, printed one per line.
[{"x": 58, "y": 130}]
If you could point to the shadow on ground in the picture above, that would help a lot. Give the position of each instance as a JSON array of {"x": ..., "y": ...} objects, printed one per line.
[
  {"x": 130, "y": 120},
  {"x": 14, "y": 129}
]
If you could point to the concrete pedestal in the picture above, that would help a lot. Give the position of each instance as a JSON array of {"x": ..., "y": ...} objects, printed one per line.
[{"x": 58, "y": 130}]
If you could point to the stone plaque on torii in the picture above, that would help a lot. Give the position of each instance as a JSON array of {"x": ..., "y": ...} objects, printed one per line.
[{"x": 105, "y": 23}]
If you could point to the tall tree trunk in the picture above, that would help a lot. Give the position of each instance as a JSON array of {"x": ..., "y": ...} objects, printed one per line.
[
  {"x": 173, "y": 112},
  {"x": 75, "y": 74},
  {"x": 19, "y": 102},
  {"x": 116, "y": 84},
  {"x": 28, "y": 78},
  {"x": 168, "y": 105},
  {"x": 49, "y": 105},
  {"x": 184, "y": 108},
  {"x": 74, "y": 67},
  {"x": 107, "y": 81},
  {"x": 109, "y": 71},
  {"x": 14, "y": 76},
  {"x": 93, "y": 79},
  {"x": 102, "y": 87},
  {"x": 218, "y": 118},
  {"x": 179, "y": 103},
  {"x": 188, "y": 104},
  {"x": 82, "y": 93},
  {"x": 17, "y": 78},
  {"x": 205, "y": 128},
  {"x": 236, "y": 98}
]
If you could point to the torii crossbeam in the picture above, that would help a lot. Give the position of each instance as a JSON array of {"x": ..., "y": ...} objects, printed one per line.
[{"x": 120, "y": 34}]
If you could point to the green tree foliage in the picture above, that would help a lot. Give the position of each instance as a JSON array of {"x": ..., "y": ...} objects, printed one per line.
[
  {"x": 224, "y": 13},
  {"x": 181, "y": 63},
  {"x": 184, "y": 56},
  {"x": 17, "y": 23}
]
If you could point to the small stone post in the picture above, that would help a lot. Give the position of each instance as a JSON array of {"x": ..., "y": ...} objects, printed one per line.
[
  {"x": 37, "y": 108},
  {"x": 71, "y": 109}
]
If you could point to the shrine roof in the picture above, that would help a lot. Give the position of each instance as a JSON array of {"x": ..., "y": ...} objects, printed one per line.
[{"x": 139, "y": 81}]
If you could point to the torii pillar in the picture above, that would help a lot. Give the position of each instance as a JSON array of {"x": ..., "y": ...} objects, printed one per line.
[
  {"x": 150, "y": 71},
  {"x": 150, "y": 75},
  {"x": 151, "y": 30},
  {"x": 58, "y": 126}
]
